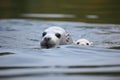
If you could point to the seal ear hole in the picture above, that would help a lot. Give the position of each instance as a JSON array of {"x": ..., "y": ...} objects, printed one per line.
[
  {"x": 58, "y": 35},
  {"x": 67, "y": 40},
  {"x": 44, "y": 33}
]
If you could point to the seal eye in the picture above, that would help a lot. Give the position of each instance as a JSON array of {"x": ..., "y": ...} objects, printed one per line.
[
  {"x": 78, "y": 42},
  {"x": 58, "y": 35},
  {"x": 44, "y": 33},
  {"x": 87, "y": 43}
]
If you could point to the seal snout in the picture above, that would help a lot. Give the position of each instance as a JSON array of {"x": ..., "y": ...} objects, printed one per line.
[
  {"x": 47, "y": 39},
  {"x": 47, "y": 42}
]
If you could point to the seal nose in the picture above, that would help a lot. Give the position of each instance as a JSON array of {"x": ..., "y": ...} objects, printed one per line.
[{"x": 47, "y": 39}]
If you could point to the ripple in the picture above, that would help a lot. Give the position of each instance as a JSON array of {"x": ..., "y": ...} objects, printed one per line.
[{"x": 5, "y": 53}]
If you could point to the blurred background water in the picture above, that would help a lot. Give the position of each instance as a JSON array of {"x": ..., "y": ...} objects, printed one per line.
[
  {"x": 21, "y": 25},
  {"x": 100, "y": 11}
]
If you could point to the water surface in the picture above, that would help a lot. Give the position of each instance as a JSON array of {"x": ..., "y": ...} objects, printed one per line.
[
  {"x": 21, "y": 57},
  {"x": 23, "y": 21}
]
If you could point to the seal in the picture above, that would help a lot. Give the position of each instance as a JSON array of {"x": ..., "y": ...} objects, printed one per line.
[
  {"x": 55, "y": 36},
  {"x": 83, "y": 42}
]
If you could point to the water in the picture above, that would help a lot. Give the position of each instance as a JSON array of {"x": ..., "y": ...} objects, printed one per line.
[
  {"x": 92, "y": 11},
  {"x": 23, "y": 21},
  {"x": 21, "y": 57}
]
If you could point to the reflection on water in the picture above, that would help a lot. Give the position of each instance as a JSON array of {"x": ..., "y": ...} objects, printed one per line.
[
  {"x": 48, "y": 15},
  {"x": 115, "y": 47},
  {"x": 96, "y": 11},
  {"x": 92, "y": 16},
  {"x": 22, "y": 59}
]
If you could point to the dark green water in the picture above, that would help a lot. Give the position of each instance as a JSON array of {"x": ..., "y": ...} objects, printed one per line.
[{"x": 95, "y": 11}]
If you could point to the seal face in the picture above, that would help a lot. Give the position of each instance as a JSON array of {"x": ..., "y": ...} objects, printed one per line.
[
  {"x": 55, "y": 36},
  {"x": 83, "y": 42}
]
